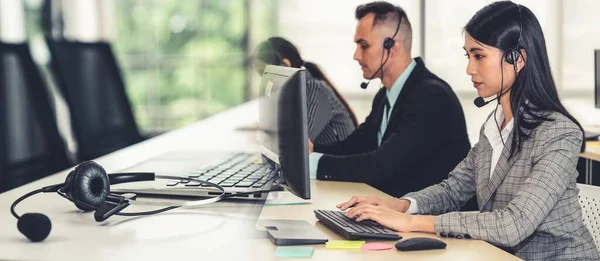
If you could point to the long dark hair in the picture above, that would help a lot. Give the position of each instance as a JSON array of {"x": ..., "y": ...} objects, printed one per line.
[
  {"x": 507, "y": 25},
  {"x": 275, "y": 49}
]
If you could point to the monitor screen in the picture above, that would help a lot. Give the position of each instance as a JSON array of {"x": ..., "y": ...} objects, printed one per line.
[
  {"x": 283, "y": 133},
  {"x": 597, "y": 78}
]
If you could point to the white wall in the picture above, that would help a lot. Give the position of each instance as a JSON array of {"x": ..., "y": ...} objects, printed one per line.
[
  {"x": 12, "y": 21},
  {"x": 444, "y": 38},
  {"x": 324, "y": 33},
  {"x": 89, "y": 20},
  {"x": 581, "y": 35}
]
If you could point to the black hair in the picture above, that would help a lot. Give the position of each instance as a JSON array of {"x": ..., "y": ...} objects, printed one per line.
[
  {"x": 381, "y": 10},
  {"x": 386, "y": 12},
  {"x": 275, "y": 49},
  {"x": 507, "y": 25}
]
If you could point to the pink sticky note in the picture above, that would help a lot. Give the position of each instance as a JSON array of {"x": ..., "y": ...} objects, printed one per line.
[{"x": 376, "y": 246}]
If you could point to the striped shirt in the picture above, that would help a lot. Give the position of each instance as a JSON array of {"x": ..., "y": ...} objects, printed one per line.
[{"x": 328, "y": 120}]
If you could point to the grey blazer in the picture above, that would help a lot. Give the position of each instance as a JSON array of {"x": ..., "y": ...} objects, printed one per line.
[{"x": 529, "y": 207}]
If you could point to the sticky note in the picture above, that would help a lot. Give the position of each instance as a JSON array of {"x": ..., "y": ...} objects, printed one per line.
[
  {"x": 344, "y": 244},
  {"x": 377, "y": 246},
  {"x": 293, "y": 251}
]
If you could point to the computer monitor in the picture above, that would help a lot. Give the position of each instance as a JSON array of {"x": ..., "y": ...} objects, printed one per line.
[
  {"x": 283, "y": 133},
  {"x": 597, "y": 77}
]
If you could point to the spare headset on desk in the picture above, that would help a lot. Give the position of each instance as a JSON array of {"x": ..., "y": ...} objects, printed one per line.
[{"x": 88, "y": 186}]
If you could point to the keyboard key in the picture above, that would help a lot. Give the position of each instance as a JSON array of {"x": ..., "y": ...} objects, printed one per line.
[
  {"x": 193, "y": 184},
  {"x": 228, "y": 172},
  {"x": 172, "y": 183},
  {"x": 244, "y": 184},
  {"x": 184, "y": 181}
]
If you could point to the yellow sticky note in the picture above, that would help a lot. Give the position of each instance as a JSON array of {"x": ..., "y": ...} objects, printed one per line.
[{"x": 344, "y": 244}]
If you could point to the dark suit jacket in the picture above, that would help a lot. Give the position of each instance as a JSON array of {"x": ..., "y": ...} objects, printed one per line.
[{"x": 425, "y": 139}]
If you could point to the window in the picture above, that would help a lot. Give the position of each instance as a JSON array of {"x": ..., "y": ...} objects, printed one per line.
[{"x": 185, "y": 60}]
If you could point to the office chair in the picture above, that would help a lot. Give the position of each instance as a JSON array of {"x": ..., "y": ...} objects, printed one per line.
[
  {"x": 91, "y": 83},
  {"x": 30, "y": 144},
  {"x": 589, "y": 197}
]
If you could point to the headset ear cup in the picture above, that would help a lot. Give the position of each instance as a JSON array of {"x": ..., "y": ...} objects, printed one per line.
[
  {"x": 388, "y": 43},
  {"x": 512, "y": 56},
  {"x": 90, "y": 185},
  {"x": 68, "y": 184}
]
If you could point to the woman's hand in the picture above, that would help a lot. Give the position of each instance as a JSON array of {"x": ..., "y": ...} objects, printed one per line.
[
  {"x": 383, "y": 215},
  {"x": 393, "y": 219},
  {"x": 400, "y": 205}
]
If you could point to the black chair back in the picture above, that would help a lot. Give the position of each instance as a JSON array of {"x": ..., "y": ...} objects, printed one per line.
[
  {"x": 90, "y": 80},
  {"x": 30, "y": 144}
]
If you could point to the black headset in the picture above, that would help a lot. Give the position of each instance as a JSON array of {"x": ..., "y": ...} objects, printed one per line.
[
  {"x": 88, "y": 186},
  {"x": 388, "y": 43},
  {"x": 511, "y": 55}
]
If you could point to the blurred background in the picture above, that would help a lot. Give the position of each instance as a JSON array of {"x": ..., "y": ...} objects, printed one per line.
[{"x": 185, "y": 60}]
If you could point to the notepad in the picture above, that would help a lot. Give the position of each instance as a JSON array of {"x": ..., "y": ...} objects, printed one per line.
[
  {"x": 344, "y": 244},
  {"x": 294, "y": 251}
]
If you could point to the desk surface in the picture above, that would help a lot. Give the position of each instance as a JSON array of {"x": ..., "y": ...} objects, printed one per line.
[
  {"x": 223, "y": 230},
  {"x": 592, "y": 150}
]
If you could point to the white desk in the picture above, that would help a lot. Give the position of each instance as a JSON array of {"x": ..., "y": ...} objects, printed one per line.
[{"x": 218, "y": 231}]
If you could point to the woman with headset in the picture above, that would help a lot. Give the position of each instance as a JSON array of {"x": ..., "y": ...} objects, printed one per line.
[
  {"x": 330, "y": 118},
  {"x": 522, "y": 170}
]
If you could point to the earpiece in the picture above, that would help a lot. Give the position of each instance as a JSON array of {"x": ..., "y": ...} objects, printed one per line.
[
  {"x": 88, "y": 183},
  {"x": 512, "y": 56},
  {"x": 389, "y": 42}
]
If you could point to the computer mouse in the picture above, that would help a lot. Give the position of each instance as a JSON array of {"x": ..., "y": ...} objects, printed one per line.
[{"x": 419, "y": 243}]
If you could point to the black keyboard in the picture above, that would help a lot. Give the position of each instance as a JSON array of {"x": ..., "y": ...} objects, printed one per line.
[
  {"x": 351, "y": 229},
  {"x": 241, "y": 170}
]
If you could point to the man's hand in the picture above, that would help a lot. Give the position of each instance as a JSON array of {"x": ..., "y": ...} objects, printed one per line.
[{"x": 310, "y": 147}]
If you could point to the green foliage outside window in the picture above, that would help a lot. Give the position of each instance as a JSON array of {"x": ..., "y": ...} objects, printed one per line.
[{"x": 185, "y": 60}]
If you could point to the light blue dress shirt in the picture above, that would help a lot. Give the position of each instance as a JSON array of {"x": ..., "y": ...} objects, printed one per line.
[{"x": 392, "y": 95}]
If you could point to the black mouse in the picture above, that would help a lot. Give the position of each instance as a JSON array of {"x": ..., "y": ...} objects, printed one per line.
[{"x": 419, "y": 243}]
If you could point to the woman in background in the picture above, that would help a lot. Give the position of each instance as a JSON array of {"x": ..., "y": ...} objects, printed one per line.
[{"x": 330, "y": 119}]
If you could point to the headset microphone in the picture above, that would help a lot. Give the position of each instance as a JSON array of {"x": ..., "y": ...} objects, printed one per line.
[
  {"x": 480, "y": 102},
  {"x": 364, "y": 85}
]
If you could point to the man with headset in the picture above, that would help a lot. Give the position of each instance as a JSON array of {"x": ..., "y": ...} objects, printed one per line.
[{"x": 416, "y": 131}]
